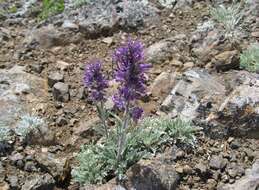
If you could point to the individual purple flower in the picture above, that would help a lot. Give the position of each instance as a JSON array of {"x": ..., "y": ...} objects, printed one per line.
[
  {"x": 95, "y": 81},
  {"x": 130, "y": 72},
  {"x": 136, "y": 113}
]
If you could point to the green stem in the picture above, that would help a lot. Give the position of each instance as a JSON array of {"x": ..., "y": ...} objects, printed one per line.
[
  {"x": 122, "y": 134},
  {"x": 102, "y": 116}
]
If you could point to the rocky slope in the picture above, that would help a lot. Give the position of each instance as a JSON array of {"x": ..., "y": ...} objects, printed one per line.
[{"x": 195, "y": 75}]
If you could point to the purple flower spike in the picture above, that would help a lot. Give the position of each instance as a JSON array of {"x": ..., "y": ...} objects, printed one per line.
[
  {"x": 130, "y": 72},
  {"x": 136, "y": 113},
  {"x": 95, "y": 81}
]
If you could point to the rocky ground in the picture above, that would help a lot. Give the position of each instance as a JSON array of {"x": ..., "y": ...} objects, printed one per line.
[{"x": 195, "y": 75}]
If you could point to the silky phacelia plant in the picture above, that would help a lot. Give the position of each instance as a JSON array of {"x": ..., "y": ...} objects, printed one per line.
[{"x": 130, "y": 74}]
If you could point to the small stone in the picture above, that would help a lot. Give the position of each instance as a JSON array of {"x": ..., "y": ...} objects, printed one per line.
[
  {"x": 159, "y": 52},
  {"x": 216, "y": 175},
  {"x": 225, "y": 178},
  {"x": 29, "y": 158},
  {"x": 81, "y": 93},
  {"x": 255, "y": 34},
  {"x": 13, "y": 181},
  {"x": 68, "y": 24},
  {"x": 62, "y": 65},
  {"x": 180, "y": 154},
  {"x": 176, "y": 63},
  {"x": 22, "y": 88},
  {"x": 55, "y": 77},
  {"x": 163, "y": 84},
  {"x": 179, "y": 169},
  {"x": 108, "y": 40},
  {"x": 230, "y": 139},
  {"x": 188, "y": 65},
  {"x": 201, "y": 168},
  {"x": 4, "y": 186},
  {"x": 30, "y": 167},
  {"x": 211, "y": 183},
  {"x": 235, "y": 170},
  {"x": 16, "y": 157},
  {"x": 250, "y": 154},
  {"x": 235, "y": 144},
  {"x": 61, "y": 121},
  {"x": 61, "y": 92},
  {"x": 37, "y": 68},
  {"x": 187, "y": 169},
  {"x": 2, "y": 174},
  {"x": 218, "y": 162},
  {"x": 231, "y": 181},
  {"x": 226, "y": 60},
  {"x": 20, "y": 164}
]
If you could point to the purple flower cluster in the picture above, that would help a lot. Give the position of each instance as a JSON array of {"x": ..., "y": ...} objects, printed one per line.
[
  {"x": 130, "y": 74},
  {"x": 95, "y": 81}
]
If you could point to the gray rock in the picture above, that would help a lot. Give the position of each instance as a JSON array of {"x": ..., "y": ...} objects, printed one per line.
[
  {"x": 37, "y": 67},
  {"x": 30, "y": 167},
  {"x": 201, "y": 168},
  {"x": 16, "y": 157},
  {"x": 81, "y": 93},
  {"x": 20, "y": 164},
  {"x": 4, "y": 35},
  {"x": 4, "y": 186},
  {"x": 161, "y": 51},
  {"x": 152, "y": 174},
  {"x": 55, "y": 77},
  {"x": 183, "y": 4},
  {"x": 12, "y": 104},
  {"x": 217, "y": 162},
  {"x": 86, "y": 125},
  {"x": 249, "y": 182},
  {"x": 22, "y": 88},
  {"x": 185, "y": 97},
  {"x": 107, "y": 16},
  {"x": 48, "y": 36},
  {"x": 67, "y": 24},
  {"x": 61, "y": 92},
  {"x": 163, "y": 84},
  {"x": 13, "y": 181},
  {"x": 26, "y": 8},
  {"x": 2, "y": 174},
  {"x": 226, "y": 60},
  {"x": 235, "y": 144},
  {"x": 42, "y": 135},
  {"x": 235, "y": 169},
  {"x": 39, "y": 182},
  {"x": 217, "y": 102},
  {"x": 61, "y": 121},
  {"x": 205, "y": 41},
  {"x": 59, "y": 168}
]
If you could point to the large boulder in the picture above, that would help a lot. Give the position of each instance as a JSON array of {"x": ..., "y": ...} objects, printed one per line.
[
  {"x": 195, "y": 90},
  {"x": 103, "y": 17},
  {"x": 49, "y": 36},
  {"x": 152, "y": 175},
  {"x": 59, "y": 168},
  {"x": 249, "y": 182},
  {"x": 228, "y": 102},
  {"x": 39, "y": 182},
  {"x": 19, "y": 92},
  {"x": 165, "y": 49}
]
